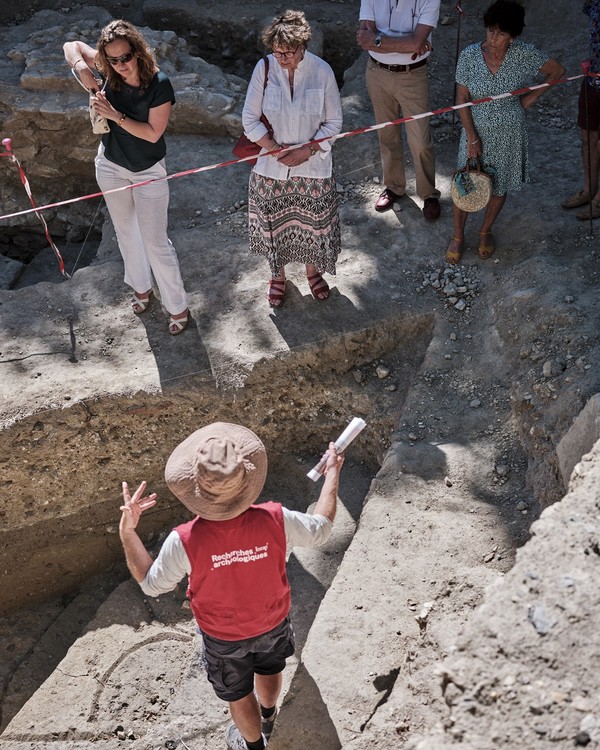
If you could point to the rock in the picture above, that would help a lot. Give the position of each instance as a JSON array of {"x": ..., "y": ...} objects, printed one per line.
[
  {"x": 447, "y": 481},
  {"x": 540, "y": 619},
  {"x": 475, "y": 403},
  {"x": 501, "y": 470},
  {"x": 382, "y": 372},
  {"x": 522, "y": 505},
  {"x": 10, "y": 270}
]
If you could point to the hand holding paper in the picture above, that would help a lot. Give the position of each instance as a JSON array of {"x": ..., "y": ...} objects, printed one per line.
[{"x": 356, "y": 425}]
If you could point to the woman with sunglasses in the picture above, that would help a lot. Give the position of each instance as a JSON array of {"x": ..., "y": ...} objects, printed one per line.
[
  {"x": 292, "y": 198},
  {"x": 136, "y": 102}
]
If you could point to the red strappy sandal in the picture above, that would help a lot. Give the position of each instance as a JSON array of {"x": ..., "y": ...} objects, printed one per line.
[
  {"x": 276, "y": 293},
  {"x": 318, "y": 286}
]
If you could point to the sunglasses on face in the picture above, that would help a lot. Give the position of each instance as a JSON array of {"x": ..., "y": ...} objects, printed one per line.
[
  {"x": 128, "y": 57},
  {"x": 285, "y": 55}
]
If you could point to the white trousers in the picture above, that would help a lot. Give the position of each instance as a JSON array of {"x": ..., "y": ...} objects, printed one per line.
[{"x": 139, "y": 217}]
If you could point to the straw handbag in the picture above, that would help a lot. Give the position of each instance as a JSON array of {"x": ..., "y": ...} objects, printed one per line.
[{"x": 471, "y": 187}]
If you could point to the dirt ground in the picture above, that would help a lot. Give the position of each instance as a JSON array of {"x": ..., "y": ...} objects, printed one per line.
[{"x": 459, "y": 461}]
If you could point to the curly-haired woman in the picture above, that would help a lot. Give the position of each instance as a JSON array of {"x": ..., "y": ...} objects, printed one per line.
[{"x": 136, "y": 101}]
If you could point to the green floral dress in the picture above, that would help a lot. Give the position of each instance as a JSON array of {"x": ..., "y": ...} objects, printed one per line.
[{"x": 500, "y": 124}]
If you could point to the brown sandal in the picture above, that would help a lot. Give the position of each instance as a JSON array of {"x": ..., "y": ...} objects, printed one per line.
[
  {"x": 318, "y": 286},
  {"x": 178, "y": 325},
  {"x": 139, "y": 304},
  {"x": 276, "y": 293},
  {"x": 486, "y": 250},
  {"x": 453, "y": 256}
]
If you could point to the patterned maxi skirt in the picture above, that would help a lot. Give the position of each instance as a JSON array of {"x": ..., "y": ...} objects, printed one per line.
[{"x": 294, "y": 220}]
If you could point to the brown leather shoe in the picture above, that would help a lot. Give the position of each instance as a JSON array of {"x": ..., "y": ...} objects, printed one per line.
[
  {"x": 386, "y": 200},
  {"x": 431, "y": 209},
  {"x": 584, "y": 214},
  {"x": 576, "y": 200}
]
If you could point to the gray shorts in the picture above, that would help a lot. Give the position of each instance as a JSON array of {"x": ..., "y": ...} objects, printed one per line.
[{"x": 231, "y": 665}]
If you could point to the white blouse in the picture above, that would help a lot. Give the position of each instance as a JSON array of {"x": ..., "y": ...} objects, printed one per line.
[{"x": 314, "y": 112}]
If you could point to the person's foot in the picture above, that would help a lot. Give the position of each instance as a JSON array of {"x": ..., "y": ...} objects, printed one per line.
[
  {"x": 581, "y": 198},
  {"x": 486, "y": 245},
  {"x": 386, "y": 200},
  {"x": 431, "y": 208},
  {"x": 267, "y": 723},
  {"x": 454, "y": 251},
  {"x": 140, "y": 302},
  {"x": 276, "y": 293},
  {"x": 235, "y": 740},
  {"x": 318, "y": 286},
  {"x": 178, "y": 323},
  {"x": 584, "y": 214}
]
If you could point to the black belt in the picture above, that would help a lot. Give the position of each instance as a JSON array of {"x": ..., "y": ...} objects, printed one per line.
[{"x": 399, "y": 68}]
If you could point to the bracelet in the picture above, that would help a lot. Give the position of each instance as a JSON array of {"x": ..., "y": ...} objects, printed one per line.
[
  {"x": 313, "y": 150},
  {"x": 122, "y": 119},
  {"x": 472, "y": 143},
  {"x": 79, "y": 59}
]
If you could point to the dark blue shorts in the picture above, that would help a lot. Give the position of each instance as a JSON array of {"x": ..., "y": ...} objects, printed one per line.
[
  {"x": 231, "y": 665},
  {"x": 593, "y": 107}
]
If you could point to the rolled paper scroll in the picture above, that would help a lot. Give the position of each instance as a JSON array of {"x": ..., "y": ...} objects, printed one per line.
[{"x": 356, "y": 425}]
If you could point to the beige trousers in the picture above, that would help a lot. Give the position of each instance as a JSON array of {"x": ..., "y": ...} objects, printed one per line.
[{"x": 396, "y": 95}]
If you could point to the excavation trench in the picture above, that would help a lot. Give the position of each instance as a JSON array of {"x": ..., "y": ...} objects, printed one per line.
[{"x": 63, "y": 469}]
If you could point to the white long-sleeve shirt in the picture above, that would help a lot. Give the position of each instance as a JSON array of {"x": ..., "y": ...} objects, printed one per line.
[
  {"x": 399, "y": 18},
  {"x": 314, "y": 112},
  {"x": 172, "y": 563}
]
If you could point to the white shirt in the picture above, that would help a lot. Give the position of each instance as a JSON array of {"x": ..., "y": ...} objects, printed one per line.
[
  {"x": 399, "y": 18},
  {"x": 314, "y": 112},
  {"x": 172, "y": 563}
]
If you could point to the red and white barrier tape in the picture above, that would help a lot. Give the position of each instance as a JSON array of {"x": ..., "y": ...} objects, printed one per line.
[
  {"x": 6, "y": 142},
  {"x": 197, "y": 170}
]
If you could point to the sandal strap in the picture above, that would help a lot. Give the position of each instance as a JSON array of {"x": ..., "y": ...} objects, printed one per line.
[
  {"x": 276, "y": 291},
  {"x": 317, "y": 283}
]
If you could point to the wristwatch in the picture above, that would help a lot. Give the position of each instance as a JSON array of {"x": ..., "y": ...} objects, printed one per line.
[{"x": 377, "y": 40}]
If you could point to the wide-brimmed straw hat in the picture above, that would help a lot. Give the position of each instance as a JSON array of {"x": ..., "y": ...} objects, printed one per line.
[{"x": 218, "y": 471}]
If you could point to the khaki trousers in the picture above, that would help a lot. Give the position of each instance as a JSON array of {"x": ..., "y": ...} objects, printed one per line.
[{"x": 396, "y": 95}]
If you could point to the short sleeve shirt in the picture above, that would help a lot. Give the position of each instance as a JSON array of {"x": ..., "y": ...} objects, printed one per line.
[
  {"x": 399, "y": 18},
  {"x": 124, "y": 149}
]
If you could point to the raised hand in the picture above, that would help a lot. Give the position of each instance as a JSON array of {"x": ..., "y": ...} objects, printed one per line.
[{"x": 134, "y": 505}]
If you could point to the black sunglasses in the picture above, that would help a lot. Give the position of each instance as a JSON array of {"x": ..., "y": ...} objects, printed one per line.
[{"x": 128, "y": 57}]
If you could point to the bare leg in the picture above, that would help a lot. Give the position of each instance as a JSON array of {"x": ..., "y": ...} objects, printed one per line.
[
  {"x": 268, "y": 687},
  {"x": 486, "y": 242},
  {"x": 246, "y": 715},
  {"x": 454, "y": 251}
]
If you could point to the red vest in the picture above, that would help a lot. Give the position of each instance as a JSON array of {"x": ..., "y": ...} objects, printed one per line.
[{"x": 238, "y": 586}]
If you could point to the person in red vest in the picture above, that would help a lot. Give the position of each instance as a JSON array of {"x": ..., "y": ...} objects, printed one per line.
[{"x": 234, "y": 554}]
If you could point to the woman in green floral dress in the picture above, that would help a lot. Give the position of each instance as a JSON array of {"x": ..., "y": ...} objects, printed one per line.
[{"x": 496, "y": 132}]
